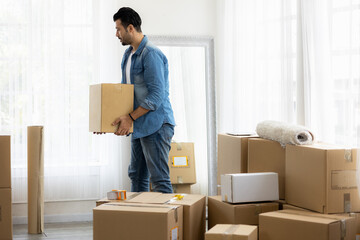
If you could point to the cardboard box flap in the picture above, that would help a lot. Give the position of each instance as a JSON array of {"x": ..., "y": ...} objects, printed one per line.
[
  {"x": 137, "y": 207},
  {"x": 308, "y": 216},
  {"x": 188, "y": 199},
  {"x": 232, "y": 229},
  {"x": 151, "y": 197}
]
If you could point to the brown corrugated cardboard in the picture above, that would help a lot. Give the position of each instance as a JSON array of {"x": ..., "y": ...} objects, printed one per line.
[
  {"x": 113, "y": 221},
  {"x": 5, "y": 169},
  {"x": 35, "y": 179},
  {"x": 194, "y": 215},
  {"x": 193, "y": 209},
  {"x": 232, "y": 154},
  {"x": 300, "y": 225},
  {"x": 182, "y": 188},
  {"x": 357, "y": 219},
  {"x": 6, "y": 229},
  {"x": 249, "y": 187},
  {"x": 107, "y": 102},
  {"x": 267, "y": 156},
  {"x": 292, "y": 207},
  {"x": 232, "y": 232},
  {"x": 322, "y": 178},
  {"x": 220, "y": 212},
  {"x": 182, "y": 163}
]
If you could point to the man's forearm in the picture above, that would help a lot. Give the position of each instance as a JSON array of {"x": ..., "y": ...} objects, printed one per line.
[{"x": 140, "y": 111}]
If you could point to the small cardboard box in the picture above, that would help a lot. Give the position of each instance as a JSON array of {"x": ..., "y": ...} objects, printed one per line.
[
  {"x": 5, "y": 169},
  {"x": 194, "y": 211},
  {"x": 232, "y": 154},
  {"x": 249, "y": 187},
  {"x": 113, "y": 221},
  {"x": 322, "y": 178},
  {"x": 182, "y": 188},
  {"x": 220, "y": 212},
  {"x": 6, "y": 229},
  {"x": 300, "y": 225},
  {"x": 267, "y": 156},
  {"x": 232, "y": 232},
  {"x": 108, "y": 102},
  {"x": 182, "y": 163}
]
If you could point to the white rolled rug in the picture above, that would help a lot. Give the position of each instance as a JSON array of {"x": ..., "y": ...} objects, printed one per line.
[{"x": 284, "y": 133}]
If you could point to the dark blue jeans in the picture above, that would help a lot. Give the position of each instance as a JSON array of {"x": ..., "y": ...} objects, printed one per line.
[{"x": 149, "y": 158}]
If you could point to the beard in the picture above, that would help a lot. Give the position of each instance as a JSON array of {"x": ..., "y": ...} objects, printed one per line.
[{"x": 124, "y": 42}]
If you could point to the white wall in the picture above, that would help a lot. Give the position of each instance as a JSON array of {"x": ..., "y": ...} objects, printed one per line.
[
  {"x": 175, "y": 17},
  {"x": 160, "y": 17}
]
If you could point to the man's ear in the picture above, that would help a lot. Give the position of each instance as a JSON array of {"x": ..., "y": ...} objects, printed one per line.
[{"x": 131, "y": 28}]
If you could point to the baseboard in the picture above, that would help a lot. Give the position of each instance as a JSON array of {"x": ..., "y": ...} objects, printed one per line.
[{"x": 84, "y": 217}]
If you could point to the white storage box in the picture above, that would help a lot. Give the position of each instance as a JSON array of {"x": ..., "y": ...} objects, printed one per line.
[{"x": 249, "y": 187}]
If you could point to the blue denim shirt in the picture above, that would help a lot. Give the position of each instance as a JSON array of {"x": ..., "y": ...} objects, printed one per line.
[{"x": 150, "y": 75}]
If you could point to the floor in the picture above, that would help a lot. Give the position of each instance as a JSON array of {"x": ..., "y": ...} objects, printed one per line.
[{"x": 60, "y": 231}]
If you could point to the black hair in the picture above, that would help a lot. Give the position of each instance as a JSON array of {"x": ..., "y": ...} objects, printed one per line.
[{"x": 128, "y": 16}]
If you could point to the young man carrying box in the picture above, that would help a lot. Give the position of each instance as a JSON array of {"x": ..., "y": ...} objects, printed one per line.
[{"x": 145, "y": 66}]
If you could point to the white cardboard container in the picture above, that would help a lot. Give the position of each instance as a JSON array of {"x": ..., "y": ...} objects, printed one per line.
[{"x": 249, "y": 187}]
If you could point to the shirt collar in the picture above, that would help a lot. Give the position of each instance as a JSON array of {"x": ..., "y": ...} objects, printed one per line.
[{"x": 140, "y": 48}]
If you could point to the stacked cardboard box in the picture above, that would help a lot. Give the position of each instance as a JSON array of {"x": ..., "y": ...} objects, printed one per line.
[
  {"x": 5, "y": 188},
  {"x": 220, "y": 212},
  {"x": 249, "y": 187},
  {"x": 232, "y": 232},
  {"x": 137, "y": 221},
  {"x": 322, "y": 178},
  {"x": 267, "y": 156},
  {"x": 182, "y": 166},
  {"x": 232, "y": 155},
  {"x": 299, "y": 225},
  {"x": 193, "y": 207}
]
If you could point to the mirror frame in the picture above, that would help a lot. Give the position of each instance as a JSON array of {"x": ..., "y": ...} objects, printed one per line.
[{"x": 208, "y": 44}]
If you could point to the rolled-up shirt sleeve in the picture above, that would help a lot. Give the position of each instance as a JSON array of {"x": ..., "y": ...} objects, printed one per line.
[{"x": 154, "y": 78}]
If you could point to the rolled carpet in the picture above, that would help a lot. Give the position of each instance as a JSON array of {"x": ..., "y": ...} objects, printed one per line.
[{"x": 285, "y": 133}]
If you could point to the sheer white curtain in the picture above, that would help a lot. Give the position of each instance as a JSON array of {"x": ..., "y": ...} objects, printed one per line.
[
  {"x": 188, "y": 99},
  {"x": 50, "y": 51},
  {"x": 334, "y": 60},
  {"x": 257, "y": 52}
]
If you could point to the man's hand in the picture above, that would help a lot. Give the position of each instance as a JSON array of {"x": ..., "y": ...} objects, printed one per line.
[{"x": 125, "y": 123}]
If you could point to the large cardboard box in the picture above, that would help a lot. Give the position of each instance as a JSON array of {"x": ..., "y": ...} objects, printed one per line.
[
  {"x": 232, "y": 232},
  {"x": 249, "y": 187},
  {"x": 5, "y": 169},
  {"x": 232, "y": 154},
  {"x": 267, "y": 156},
  {"x": 322, "y": 178},
  {"x": 182, "y": 163},
  {"x": 194, "y": 209},
  {"x": 113, "y": 221},
  {"x": 300, "y": 225},
  {"x": 107, "y": 102},
  {"x": 6, "y": 229},
  {"x": 220, "y": 212}
]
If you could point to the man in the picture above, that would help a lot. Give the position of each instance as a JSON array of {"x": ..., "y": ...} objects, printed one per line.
[{"x": 145, "y": 66}]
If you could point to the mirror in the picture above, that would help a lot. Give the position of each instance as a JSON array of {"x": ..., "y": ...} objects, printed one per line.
[{"x": 192, "y": 95}]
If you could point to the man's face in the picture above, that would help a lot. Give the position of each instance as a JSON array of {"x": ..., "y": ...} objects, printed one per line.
[{"x": 122, "y": 33}]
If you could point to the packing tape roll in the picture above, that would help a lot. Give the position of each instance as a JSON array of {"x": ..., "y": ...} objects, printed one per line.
[{"x": 35, "y": 145}]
